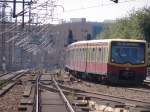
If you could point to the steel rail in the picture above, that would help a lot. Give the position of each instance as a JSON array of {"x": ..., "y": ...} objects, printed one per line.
[
  {"x": 4, "y": 74},
  {"x": 64, "y": 98},
  {"x": 10, "y": 78},
  {"x": 96, "y": 94},
  {"x": 37, "y": 94}
]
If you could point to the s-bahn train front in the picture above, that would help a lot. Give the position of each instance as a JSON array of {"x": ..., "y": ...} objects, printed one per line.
[{"x": 127, "y": 61}]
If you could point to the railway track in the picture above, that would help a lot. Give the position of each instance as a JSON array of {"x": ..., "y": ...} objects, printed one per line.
[
  {"x": 46, "y": 93},
  {"x": 48, "y": 101},
  {"x": 127, "y": 102},
  {"x": 4, "y": 74},
  {"x": 115, "y": 98},
  {"x": 7, "y": 81}
]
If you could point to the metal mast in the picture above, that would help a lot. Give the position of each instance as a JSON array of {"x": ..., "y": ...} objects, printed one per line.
[{"x": 3, "y": 56}]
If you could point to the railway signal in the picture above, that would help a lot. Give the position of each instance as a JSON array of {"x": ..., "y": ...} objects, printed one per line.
[{"x": 116, "y": 1}]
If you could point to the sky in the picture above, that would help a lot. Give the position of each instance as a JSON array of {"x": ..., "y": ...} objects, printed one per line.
[
  {"x": 99, "y": 10},
  {"x": 92, "y": 10}
]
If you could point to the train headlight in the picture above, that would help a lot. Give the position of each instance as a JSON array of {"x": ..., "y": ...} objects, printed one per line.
[
  {"x": 127, "y": 68},
  {"x": 112, "y": 60},
  {"x": 142, "y": 61}
]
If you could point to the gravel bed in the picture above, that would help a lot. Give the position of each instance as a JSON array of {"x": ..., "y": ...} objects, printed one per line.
[
  {"x": 11, "y": 100},
  {"x": 110, "y": 90}
]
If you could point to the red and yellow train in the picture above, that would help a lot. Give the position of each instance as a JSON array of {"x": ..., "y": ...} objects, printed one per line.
[{"x": 114, "y": 60}]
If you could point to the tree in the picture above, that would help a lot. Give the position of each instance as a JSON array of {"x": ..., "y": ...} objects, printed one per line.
[{"x": 135, "y": 26}]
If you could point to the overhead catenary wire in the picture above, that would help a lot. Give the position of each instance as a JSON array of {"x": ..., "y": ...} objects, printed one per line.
[
  {"x": 24, "y": 40},
  {"x": 97, "y": 5}
]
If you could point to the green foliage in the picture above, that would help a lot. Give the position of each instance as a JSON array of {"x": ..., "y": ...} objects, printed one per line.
[{"x": 135, "y": 26}]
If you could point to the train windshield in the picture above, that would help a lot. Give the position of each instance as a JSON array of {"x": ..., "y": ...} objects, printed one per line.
[{"x": 123, "y": 52}]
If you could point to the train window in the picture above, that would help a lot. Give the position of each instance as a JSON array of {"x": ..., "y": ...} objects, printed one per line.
[
  {"x": 71, "y": 54},
  {"x": 91, "y": 53},
  {"x": 80, "y": 54},
  {"x": 84, "y": 54},
  {"x": 101, "y": 55},
  {"x": 74, "y": 54},
  {"x": 77, "y": 53},
  {"x": 88, "y": 51},
  {"x": 96, "y": 56},
  {"x": 104, "y": 55},
  {"x": 88, "y": 54}
]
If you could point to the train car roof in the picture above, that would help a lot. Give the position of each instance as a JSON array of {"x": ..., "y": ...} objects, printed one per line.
[{"x": 104, "y": 40}]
